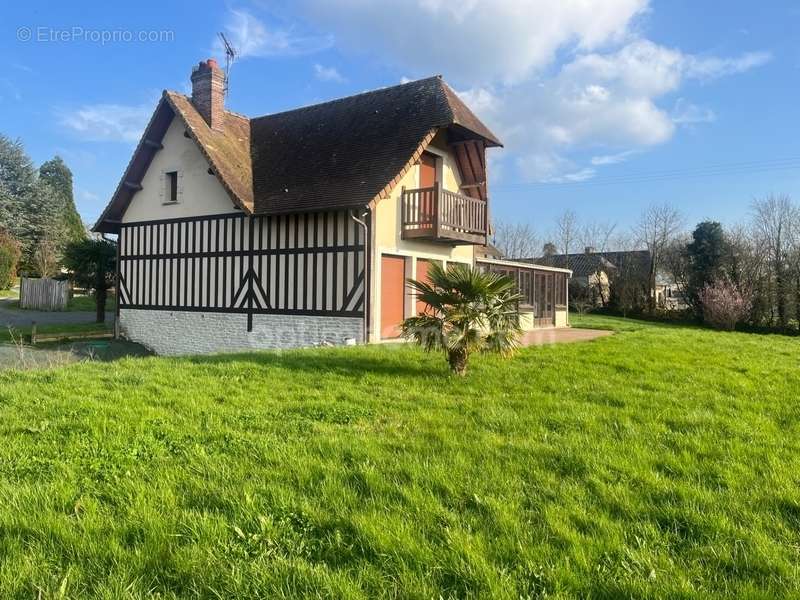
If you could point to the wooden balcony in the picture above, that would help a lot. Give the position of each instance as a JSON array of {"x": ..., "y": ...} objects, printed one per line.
[{"x": 436, "y": 215}]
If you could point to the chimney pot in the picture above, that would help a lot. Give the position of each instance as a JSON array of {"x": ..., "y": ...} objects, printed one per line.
[{"x": 208, "y": 92}]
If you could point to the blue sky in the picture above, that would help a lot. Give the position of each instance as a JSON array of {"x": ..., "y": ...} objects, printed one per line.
[{"x": 605, "y": 107}]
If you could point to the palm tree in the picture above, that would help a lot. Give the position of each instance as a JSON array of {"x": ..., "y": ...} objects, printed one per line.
[{"x": 468, "y": 311}]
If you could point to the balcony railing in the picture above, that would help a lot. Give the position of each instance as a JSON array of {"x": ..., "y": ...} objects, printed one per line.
[{"x": 437, "y": 215}]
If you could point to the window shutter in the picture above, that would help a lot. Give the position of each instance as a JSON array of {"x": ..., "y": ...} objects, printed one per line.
[{"x": 180, "y": 185}]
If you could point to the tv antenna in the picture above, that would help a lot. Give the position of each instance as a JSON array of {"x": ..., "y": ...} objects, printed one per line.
[{"x": 230, "y": 56}]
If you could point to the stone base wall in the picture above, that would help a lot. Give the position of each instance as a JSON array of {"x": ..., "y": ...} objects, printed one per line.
[{"x": 185, "y": 332}]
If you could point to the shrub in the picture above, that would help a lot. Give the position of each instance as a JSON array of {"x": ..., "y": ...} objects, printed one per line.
[
  {"x": 724, "y": 304},
  {"x": 467, "y": 310},
  {"x": 9, "y": 258}
]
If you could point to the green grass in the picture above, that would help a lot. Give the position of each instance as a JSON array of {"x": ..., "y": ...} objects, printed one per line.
[
  {"x": 662, "y": 461},
  {"x": 76, "y": 303},
  {"x": 87, "y": 303},
  {"x": 14, "y": 333}
]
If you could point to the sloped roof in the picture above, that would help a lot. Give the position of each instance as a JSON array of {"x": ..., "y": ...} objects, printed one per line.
[
  {"x": 344, "y": 153},
  {"x": 586, "y": 264},
  {"x": 227, "y": 151}
]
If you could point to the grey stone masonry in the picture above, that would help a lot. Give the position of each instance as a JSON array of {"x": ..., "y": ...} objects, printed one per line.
[{"x": 185, "y": 332}]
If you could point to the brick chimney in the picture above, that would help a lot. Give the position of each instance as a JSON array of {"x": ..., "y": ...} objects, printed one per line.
[{"x": 208, "y": 92}]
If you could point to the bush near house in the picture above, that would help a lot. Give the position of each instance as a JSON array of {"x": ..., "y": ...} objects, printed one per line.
[{"x": 660, "y": 462}]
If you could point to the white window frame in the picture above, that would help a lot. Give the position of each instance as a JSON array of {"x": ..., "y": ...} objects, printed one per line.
[{"x": 163, "y": 195}]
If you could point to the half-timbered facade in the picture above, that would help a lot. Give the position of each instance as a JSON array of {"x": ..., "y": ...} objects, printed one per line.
[{"x": 301, "y": 228}]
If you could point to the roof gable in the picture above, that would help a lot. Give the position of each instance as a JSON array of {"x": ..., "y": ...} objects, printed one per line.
[{"x": 344, "y": 153}]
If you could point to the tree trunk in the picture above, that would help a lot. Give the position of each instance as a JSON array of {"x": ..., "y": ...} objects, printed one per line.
[
  {"x": 458, "y": 361},
  {"x": 100, "y": 303}
]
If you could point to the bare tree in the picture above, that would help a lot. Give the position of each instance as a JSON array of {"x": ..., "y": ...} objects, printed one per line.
[
  {"x": 597, "y": 235},
  {"x": 775, "y": 226},
  {"x": 675, "y": 262},
  {"x": 657, "y": 227},
  {"x": 516, "y": 240},
  {"x": 46, "y": 257},
  {"x": 566, "y": 232}
]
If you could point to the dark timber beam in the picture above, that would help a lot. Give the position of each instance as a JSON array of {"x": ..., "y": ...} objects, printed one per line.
[
  {"x": 153, "y": 144},
  {"x": 131, "y": 185}
]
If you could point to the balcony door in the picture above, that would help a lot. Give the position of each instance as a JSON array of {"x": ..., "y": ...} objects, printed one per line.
[{"x": 427, "y": 181}]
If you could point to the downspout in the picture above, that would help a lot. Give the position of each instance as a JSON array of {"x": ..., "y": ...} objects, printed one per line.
[
  {"x": 367, "y": 269},
  {"x": 117, "y": 286}
]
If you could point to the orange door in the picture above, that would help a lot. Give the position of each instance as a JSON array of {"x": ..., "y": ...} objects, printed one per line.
[
  {"x": 393, "y": 274},
  {"x": 427, "y": 170},
  {"x": 427, "y": 179},
  {"x": 422, "y": 275}
]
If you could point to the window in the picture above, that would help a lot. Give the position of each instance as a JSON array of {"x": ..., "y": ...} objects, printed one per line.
[
  {"x": 171, "y": 192},
  {"x": 561, "y": 288}
]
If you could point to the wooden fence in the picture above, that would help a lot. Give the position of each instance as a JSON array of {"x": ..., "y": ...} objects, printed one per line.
[{"x": 43, "y": 294}]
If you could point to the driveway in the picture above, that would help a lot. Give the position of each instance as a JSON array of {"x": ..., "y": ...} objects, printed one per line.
[
  {"x": 15, "y": 317},
  {"x": 539, "y": 337}
]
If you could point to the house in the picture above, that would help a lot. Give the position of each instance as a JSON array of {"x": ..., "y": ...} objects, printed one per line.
[
  {"x": 300, "y": 228},
  {"x": 669, "y": 294},
  {"x": 594, "y": 270}
]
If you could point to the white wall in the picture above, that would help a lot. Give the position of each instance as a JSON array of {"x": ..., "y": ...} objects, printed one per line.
[
  {"x": 199, "y": 193},
  {"x": 186, "y": 333}
]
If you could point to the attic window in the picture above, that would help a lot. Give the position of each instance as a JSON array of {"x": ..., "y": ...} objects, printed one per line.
[{"x": 171, "y": 191}]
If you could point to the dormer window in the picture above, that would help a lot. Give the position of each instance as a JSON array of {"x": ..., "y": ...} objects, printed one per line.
[{"x": 171, "y": 190}]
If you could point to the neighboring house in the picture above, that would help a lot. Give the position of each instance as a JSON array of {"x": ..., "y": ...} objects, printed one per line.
[
  {"x": 669, "y": 295},
  {"x": 595, "y": 270},
  {"x": 300, "y": 228}
]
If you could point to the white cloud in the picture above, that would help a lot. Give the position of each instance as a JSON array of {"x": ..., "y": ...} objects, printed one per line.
[
  {"x": 553, "y": 79},
  {"x": 713, "y": 67},
  {"x": 610, "y": 101},
  {"x": 474, "y": 41},
  {"x": 327, "y": 74},
  {"x": 250, "y": 37},
  {"x": 108, "y": 122},
  {"x": 686, "y": 113},
  {"x": 611, "y": 159},
  {"x": 548, "y": 167}
]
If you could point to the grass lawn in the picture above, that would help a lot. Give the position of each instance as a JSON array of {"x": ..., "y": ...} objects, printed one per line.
[
  {"x": 14, "y": 334},
  {"x": 82, "y": 303},
  {"x": 87, "y": 303},
  {"x": 663, "y": 461}
]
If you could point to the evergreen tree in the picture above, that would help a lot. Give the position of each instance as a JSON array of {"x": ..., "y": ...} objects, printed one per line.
[
  {"x": 706, "y": 253},
  {"x": 17, "y": 185},
  {"x": 37, "y": 208},
  {"x": 56, "y": 175}
]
